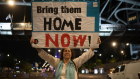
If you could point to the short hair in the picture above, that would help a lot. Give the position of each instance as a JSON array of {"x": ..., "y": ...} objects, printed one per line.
[{"x": 72, "y": 54}]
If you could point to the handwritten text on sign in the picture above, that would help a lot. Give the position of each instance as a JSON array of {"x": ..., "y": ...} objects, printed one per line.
[
  {"x": 63, "y": 24},
  {"x": 61, "y": 40},
  {"x": 61, "y": 16}
]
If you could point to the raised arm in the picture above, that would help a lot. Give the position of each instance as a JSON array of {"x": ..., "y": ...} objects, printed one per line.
[
  {"x": 83, "y": 58},
  {"x": 47, "y": 57}
]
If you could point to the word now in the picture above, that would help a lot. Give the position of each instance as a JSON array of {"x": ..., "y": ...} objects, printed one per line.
[
  {"x": 65, "y": 40},
  {"x": 59, "y": 24}
]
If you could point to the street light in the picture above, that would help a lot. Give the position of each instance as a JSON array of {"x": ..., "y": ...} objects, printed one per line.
[
  {"x": 127, "y": 44},
  {"x": 112, "y": 56},
  {"x": 100, "y": 55},
  {"x": 122, "y": 52},
  {"x": 59, "y": 50},
  {"x": 114, "y": 44},
  {"x": 49, "y": 50},
  {"x": 11, "y": 2},
  {"x": 8, "y": 55}
]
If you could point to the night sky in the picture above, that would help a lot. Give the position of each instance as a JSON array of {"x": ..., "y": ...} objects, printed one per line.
[
  {"x": 20, "y": 49},
  {"x": 18, "y": 13},
  {"x": 19, "y": 46}
]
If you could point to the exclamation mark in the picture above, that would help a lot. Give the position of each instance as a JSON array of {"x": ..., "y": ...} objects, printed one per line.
[{"x": 89, "y": 39}]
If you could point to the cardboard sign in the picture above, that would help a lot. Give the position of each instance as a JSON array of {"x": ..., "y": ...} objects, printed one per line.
[{"x": 56, "y": 23}]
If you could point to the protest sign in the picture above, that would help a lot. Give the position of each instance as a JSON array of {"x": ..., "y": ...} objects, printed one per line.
[{"x": 60, "y": 24}]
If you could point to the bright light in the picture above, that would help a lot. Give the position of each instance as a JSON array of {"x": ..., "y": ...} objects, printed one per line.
[
  {"x": 32, "y": 68},
  {"x": 11, "y": 2},
  {"x": 114, "y": 44},
  {"x": 100, "y": 55},
  {"x": 49, "y": 50},
  {"x": 95, "y": 50},
  {"x": 83, "y": 71},
  {"x": 55, "y": 56},
  {"x": 18, "y": 71},
  {"x": 101, "y": 70},
  {"x": 22, "y": 24},
  {"x": 95, "y": 71},
  {"x": 119, "y": 67},
  {"x": 112, "y": 56},
  {"x": 85, "y": 50},
  {"x": 8, "y": 55},
  {"x": 111, "y": 70},
  {"x": 17, "y": 67},
  {"x": 122, "y": 52},
  {"x": 59, "y": 50},
  {"x": 19, "y": 61},
  {"x": 127, "y": 44}
]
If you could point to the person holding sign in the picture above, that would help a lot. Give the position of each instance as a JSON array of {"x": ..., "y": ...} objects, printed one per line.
[{"x": 66, "y": 67}]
